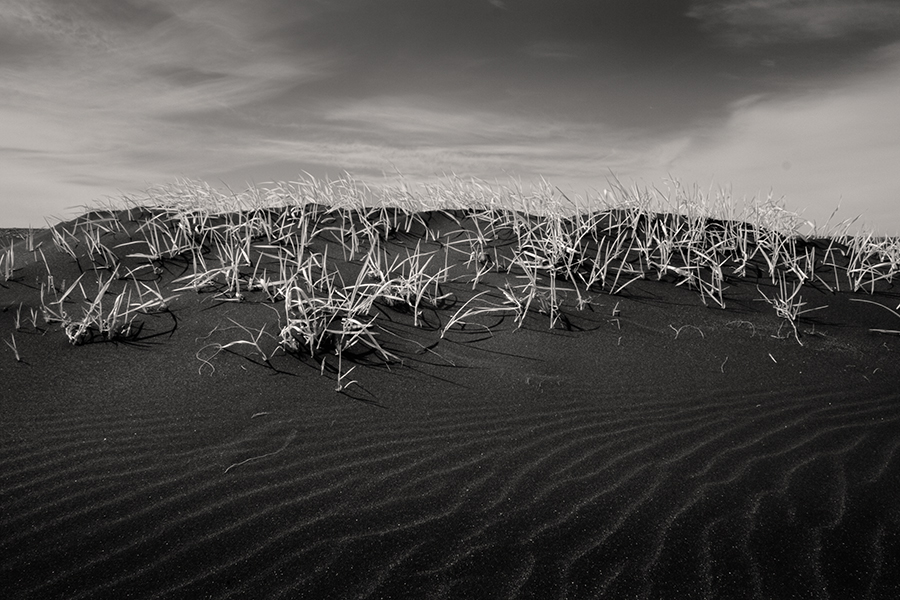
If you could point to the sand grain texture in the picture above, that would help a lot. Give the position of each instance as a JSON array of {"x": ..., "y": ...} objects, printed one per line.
[{"x": 654, "y": 448}]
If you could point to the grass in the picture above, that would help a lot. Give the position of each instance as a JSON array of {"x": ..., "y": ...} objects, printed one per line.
[
  {"x": 105, "y": 313},
  {"x": 7, "y": 262},
  {"x": 15, "y": 348},
  {"x": 253, "y": 342},
  {"x": 788, "y": 303},
  {"x": 522, "y": 251},
  {"x": 890, "y": 310},
  {"x": 466, "y": 312},
  {"x": 286, "y": 443},
  {"x": 18, "y": 317}
]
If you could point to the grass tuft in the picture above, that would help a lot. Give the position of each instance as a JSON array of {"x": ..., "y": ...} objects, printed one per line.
[{"x": 523, "y": 251}]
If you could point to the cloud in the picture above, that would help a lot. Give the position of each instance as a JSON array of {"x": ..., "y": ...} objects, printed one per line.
[
  {"x": 106, "y": 96},
  {"x": 555, "y": 50},
  {"x": 423, "y": 139},
  {"x": 64, "y": 27},
  {"x": 746, "y": 23},
  {"x": 817, "y": 150},
  {"x": 150, "y": 58},
  {"x": 111, "y": 95},
  {"x": 424, "y": 118}
]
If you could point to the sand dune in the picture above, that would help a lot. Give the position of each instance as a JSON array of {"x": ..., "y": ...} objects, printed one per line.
[
  {"x": 652, "y": 447},
  {"x": 724, "y": 496}
]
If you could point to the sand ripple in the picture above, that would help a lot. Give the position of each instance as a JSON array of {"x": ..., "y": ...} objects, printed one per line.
[{"x": 723, "y": 494}]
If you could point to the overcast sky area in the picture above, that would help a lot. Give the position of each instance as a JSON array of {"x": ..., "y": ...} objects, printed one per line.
[{"x": 100, "y": 98}]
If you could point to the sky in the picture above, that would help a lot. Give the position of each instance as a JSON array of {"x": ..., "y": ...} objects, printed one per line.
[{"x": 794, "y": 98}]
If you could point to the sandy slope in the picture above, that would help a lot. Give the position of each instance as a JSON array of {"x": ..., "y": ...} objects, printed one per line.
[{"x": 646, "y": 447}]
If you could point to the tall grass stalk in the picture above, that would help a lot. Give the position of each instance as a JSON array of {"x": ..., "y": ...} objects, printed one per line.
[
  {"x": 8, "y": 262},
  {"x": 15, "y": 348}
]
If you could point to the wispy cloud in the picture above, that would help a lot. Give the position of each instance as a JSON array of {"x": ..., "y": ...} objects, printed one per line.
[
  {"x": 423, "y": 139},
  {"x": 63, "y": 27},
  {"x": 425, "y": 118},
  {"x": 111, "y": 96},
  {"x": 184, "y": 58},
  {"x": 763, "y": 22}
]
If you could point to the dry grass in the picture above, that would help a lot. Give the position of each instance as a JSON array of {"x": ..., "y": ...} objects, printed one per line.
[{"x": 327, "y": 254}]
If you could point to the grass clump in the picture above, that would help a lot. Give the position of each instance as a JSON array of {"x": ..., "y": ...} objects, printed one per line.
[{"x": 341, "y": 263}]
